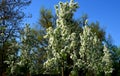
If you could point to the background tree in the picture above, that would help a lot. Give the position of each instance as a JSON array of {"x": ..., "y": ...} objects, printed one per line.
[
  {"x": 29, "y": 53},
  {"x": 45, "y": 21},
  {"x": 46, "y": 18},
  {"x": 95, "y": 28},
  {"x": 11, "y": 16},
  {"x": 116, "y": 70}
]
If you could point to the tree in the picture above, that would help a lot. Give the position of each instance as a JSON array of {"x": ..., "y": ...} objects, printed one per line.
[
  {"x": 45, "y": 21},
  {"x": 61, "y": 39},
  {"x": 95, "y": 28},
  {"x": 46, "y": 18},
  {"x": 91, "y": 59},
  {"x": 11, "y": 16},
  {"x": 28, "y": 59},
  {"x": 90, "y": 54},
  {"x": 117, "y": 62}
]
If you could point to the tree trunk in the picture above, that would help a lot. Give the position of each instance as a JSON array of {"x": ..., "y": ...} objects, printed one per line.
[
  {"x": 2, "y": 61},
  {"x": 28, "y": 74},
  {"x": 62, "y": 68}
]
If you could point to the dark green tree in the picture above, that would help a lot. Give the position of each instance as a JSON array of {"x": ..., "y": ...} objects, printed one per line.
[
  {"x": 115, "y": 51},
  {"x": 46, "y": 19},
  {"x": 95, "y": 28}
]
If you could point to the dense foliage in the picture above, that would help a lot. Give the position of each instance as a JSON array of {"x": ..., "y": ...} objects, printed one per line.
[{"x": 61, "y": 46}]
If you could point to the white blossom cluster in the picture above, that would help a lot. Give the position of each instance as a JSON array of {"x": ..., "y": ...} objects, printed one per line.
[{"x": 107, "y": 61}]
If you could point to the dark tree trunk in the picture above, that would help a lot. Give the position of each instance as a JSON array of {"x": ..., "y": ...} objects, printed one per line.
[{"x": 67, "y": 71}]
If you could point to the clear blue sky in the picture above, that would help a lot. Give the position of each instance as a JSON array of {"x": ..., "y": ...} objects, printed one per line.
[{"x": 107, "y": 12}]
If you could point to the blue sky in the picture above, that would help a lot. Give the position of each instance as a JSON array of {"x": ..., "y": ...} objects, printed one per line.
[{"x": 106, "y": 12}]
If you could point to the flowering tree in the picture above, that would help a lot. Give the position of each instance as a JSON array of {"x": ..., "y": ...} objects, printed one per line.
[
  {"x": 26, "y": 61},
  {"x": 93, "y": 57},
  {"x": 28, "y": 48},
  {"x": 67, "y": 50},
  {"x": 63, "y": 40}
]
